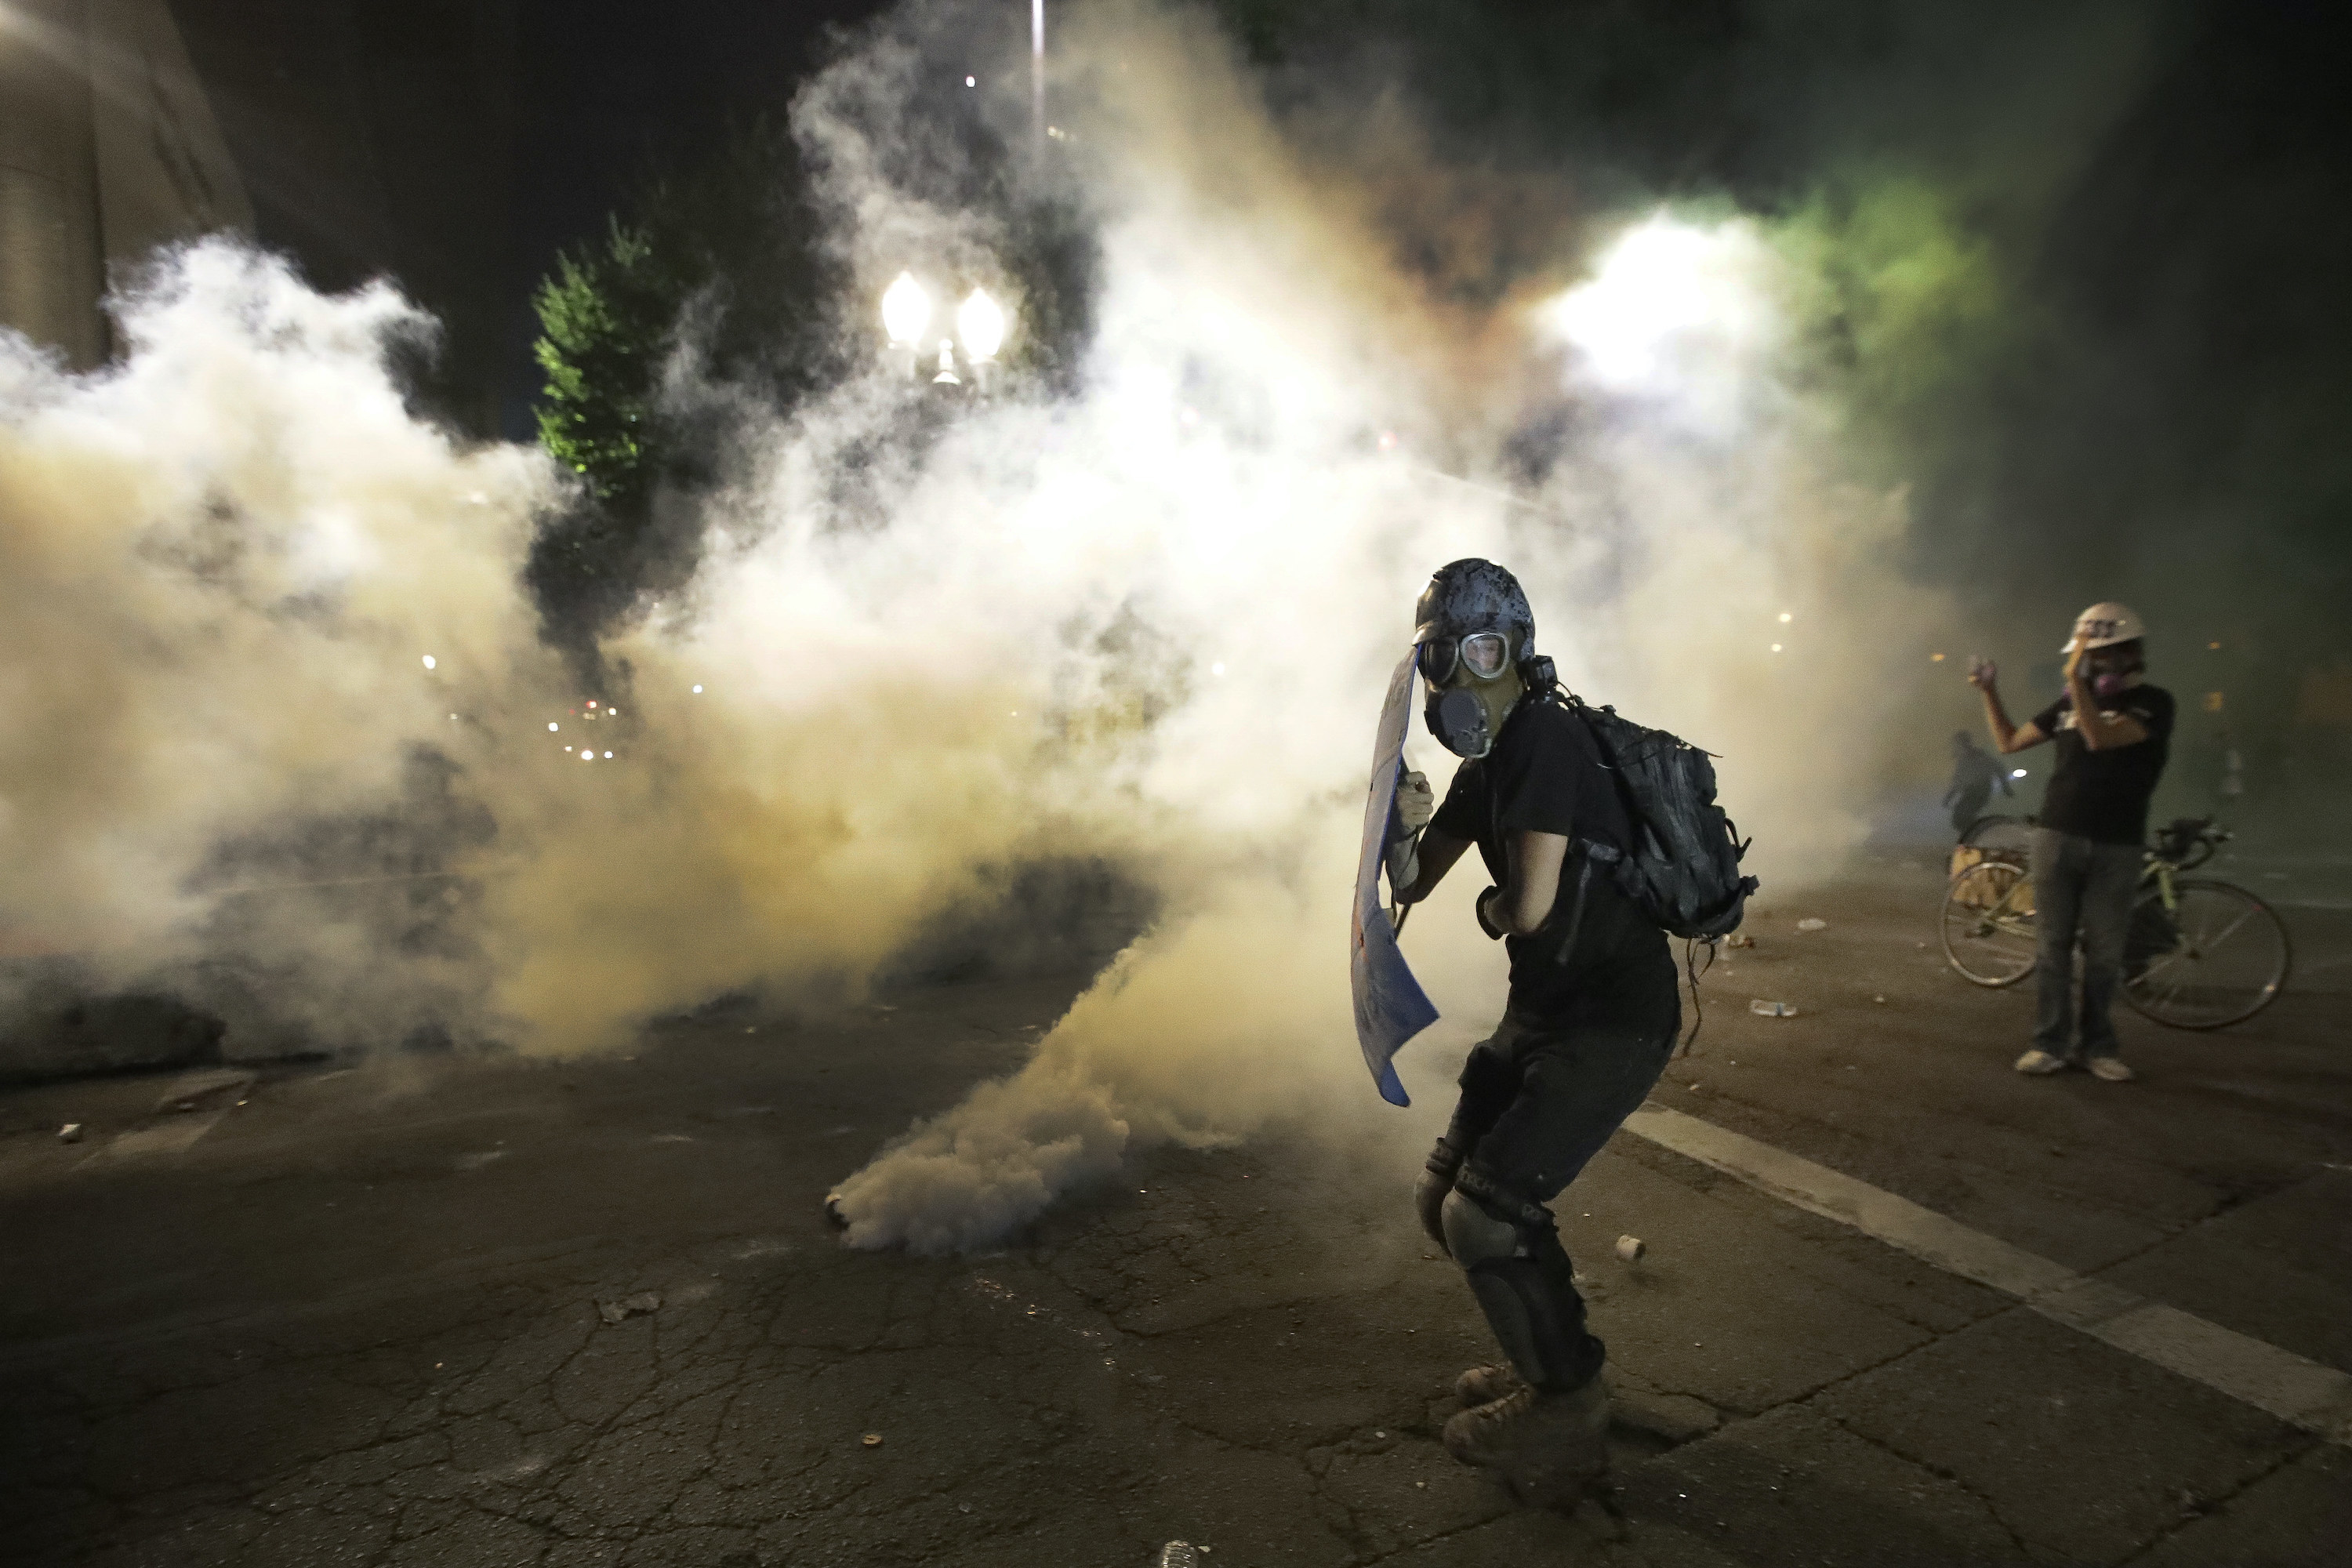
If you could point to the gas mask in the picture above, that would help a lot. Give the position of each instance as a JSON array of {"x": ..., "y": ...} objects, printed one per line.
[
  {"x": 1473, "y": 686},
  {"x": 2110, "y": 678}
]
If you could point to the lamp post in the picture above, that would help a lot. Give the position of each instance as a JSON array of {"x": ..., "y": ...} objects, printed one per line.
[{"x": 980, "y": 326}]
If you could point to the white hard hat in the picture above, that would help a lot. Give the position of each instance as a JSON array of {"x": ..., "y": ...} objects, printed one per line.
[{"x": 2104, "y": 625}]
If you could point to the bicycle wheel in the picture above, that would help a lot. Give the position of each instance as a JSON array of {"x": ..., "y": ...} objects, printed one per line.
[
  {"x": 1989, "y": 933},
  {"x": 2215, "y": 958}
]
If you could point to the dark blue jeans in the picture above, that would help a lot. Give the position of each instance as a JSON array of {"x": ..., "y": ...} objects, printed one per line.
[{"x": 2081, "y": 888}]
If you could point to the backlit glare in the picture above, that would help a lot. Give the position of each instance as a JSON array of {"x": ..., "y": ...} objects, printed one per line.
[
  {"x": 905, "y": 310},
  {"x": 428, "y": 661},
  {"x": 554, "y": 727},
  {"x": 1665, "y": 289}
]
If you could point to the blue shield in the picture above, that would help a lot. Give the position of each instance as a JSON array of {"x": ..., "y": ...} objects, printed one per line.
[{"x": 1390, "y": 1006}]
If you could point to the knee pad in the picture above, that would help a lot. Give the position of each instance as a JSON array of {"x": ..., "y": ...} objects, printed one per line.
[{"x": 1525, "y": 1286}]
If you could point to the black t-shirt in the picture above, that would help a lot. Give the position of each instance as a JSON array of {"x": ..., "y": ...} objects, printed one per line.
[
  {"x": 2103, "y": 795},
  {"x": 1545, "y": 775}
]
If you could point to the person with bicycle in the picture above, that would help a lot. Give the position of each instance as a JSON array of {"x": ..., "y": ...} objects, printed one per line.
[{"x": 2113, "y": 732}]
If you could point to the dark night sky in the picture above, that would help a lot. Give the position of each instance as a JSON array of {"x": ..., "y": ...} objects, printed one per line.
[
  {"x": 609, "y": 87},
  {"x": 608, "y": 84}
]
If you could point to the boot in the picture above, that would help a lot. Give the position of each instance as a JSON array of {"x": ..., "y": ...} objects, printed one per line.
[
  {"x": 1546, "y": 1447},
  {"x": 1486, "y": 1384}
]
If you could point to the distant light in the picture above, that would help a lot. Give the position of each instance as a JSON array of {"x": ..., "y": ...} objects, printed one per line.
[
  {"x": 1786, "y": 617},
  {"x": 567, "y": 748},
  {"x": 1662, "y": 287},
  {"x": 2210, "y": 647},
  {"x": 969, "y": 81},
  {"x": 554, "y": 727},
  {"x": 2017, "y": 773},
  {"x": 1388, "y": 440},
  {"x": 611, "y": 712},
  {"x": 428, "y": 657},
  {"x": 608, "y": 753},
  {"x": 1218, "y": 668},
  {"x": 1935, "y": 659},
  {"x": 587, "y": 756},
  {"x": 592, "y": 702},
  {"x": 697, "y": 691},
  {"x": 979, "y": 323},
  {"x": 453, "y": 718},
  {"x": 1776, "y": 648},
  {"x": 905, "y": 310}
]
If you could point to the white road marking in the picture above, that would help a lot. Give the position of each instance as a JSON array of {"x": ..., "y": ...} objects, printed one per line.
[
  {"x": 172, "y": 1137},
  {"x": 2302, "y": 1393}
]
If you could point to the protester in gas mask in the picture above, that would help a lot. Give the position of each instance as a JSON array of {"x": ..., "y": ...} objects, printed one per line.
[
  {"x": 1590, "y": 1020},
  {"x": 2113, "y": 732}
]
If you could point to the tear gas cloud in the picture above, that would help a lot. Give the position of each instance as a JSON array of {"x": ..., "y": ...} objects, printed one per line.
[{"x": 1150, "y": 621}]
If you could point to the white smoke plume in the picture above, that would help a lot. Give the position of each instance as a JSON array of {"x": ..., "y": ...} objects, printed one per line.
[{"x": 1150, "y": 619}]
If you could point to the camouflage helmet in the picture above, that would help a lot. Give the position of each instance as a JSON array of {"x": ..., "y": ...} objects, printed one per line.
[{"x": 1473, "y": 596}]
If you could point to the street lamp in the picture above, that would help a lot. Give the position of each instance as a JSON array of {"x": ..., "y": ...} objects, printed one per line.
[{"x": 979, "y": 328}]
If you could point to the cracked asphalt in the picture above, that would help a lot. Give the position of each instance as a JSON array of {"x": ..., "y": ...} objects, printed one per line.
[{"x": 483, "y": 1312}]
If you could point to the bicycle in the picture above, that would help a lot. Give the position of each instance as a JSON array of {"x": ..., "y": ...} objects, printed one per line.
[{"x": 2199, "y": 953}]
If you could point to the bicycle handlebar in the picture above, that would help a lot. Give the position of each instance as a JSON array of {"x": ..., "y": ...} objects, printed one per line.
[{"x": 2181, "y": 842}]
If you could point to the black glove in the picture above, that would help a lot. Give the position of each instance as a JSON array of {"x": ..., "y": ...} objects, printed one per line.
[{"x": 1486, "y": 921}]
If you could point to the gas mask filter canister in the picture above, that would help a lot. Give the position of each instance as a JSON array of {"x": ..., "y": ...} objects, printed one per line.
[{"x": 1472, "y": 688}]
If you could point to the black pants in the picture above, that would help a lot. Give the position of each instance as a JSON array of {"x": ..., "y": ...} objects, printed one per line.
[{"x": 1539, "y": 1099}]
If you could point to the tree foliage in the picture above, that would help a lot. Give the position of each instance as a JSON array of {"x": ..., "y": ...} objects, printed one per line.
[{"x": 604, "y": 317}]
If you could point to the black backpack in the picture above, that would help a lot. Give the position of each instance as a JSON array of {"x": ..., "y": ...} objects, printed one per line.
[{"x": 1682, "y": 870}]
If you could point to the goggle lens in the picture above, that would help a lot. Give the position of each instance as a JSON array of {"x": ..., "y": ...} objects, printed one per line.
[{"x": 1484, "y": 653}]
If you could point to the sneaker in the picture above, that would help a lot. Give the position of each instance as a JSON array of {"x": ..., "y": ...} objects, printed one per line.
[
  {"x": 2041, "y": 1063},
  {"x": 1545, "y": 1447},
  {"x": 1486, "y": 1384},
  {"x": 2111, "y": 1070}
]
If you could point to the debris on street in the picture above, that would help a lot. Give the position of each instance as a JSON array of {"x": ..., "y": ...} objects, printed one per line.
[
  {"x": 628, "y": 1307},
  {"x": 1736, "y": 939},
  {"x": 1763, "y": 1009},
  {"x": 1178, "y": 1554},
  {"x": 1631, "y": 1248},
  {"x": 1812, "y": 923},
  {"x": 69, "y": 1134},
  {"x": 872, "y": 1439}
]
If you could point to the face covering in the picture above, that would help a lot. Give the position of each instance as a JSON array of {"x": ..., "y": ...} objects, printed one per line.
[
  {"x": 2107, "y": 684},
  {"x": 1469, "y": 696}
]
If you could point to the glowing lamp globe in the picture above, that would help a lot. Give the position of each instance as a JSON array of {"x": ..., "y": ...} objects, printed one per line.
[
  {"x": 979, "y": 323},
  {"x": 905, "y": 310}
]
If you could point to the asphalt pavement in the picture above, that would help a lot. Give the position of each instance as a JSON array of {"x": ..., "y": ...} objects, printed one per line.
[{"x": 1898, "y": 1304}]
